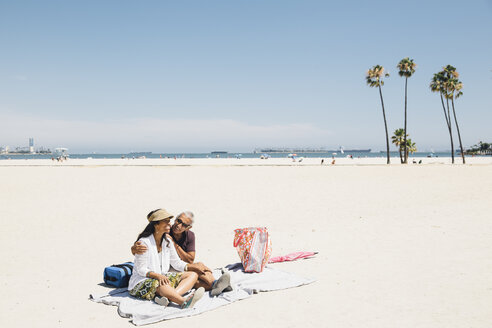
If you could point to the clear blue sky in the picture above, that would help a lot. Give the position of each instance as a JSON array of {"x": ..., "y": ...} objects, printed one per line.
[{"x": 204, "y": 75}]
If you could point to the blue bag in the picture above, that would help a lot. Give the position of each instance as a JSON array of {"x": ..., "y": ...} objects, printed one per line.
[{"x": 118, "y": 275}]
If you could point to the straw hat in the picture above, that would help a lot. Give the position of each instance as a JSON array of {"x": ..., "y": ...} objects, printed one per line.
[{"x": 159, "y": 215}]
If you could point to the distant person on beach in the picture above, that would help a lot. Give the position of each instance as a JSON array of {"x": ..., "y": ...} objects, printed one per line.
[
  {"x": 151, "y": 279},
  {"x": 184, "y": 243},
  {"x": 322, "y": 161}
]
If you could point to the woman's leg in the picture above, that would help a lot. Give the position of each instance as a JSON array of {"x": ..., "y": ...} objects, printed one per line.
[
  {"x": 188, "y": 280},
  {"x": 170, "y": 293}
]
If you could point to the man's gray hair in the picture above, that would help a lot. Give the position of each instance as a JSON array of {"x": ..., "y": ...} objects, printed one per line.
[{"x": 188, "y": 214}]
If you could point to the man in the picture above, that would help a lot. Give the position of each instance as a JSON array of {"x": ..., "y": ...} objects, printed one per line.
[{"x": 184, "y": 242}]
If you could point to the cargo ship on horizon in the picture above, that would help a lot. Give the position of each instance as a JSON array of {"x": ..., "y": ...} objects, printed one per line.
[{"x": 308, "y": 150}]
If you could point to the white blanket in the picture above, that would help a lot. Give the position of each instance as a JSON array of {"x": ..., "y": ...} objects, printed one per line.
[{"x": 244, "y": 285}]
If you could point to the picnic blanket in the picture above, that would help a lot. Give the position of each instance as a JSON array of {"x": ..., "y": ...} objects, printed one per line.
[{"x": 244, "y": 284}]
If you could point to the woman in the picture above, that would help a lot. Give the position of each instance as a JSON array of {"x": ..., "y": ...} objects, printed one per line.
[{"x": 151, "y": 278}]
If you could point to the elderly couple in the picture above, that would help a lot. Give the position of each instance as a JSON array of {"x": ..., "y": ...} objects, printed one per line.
[{"x": 161, "y": 247}]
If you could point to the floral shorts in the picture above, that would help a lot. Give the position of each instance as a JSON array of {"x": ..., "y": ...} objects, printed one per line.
[{"x": 146, "y": 289}]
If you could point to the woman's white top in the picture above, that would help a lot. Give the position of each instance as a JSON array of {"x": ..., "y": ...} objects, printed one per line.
[{"x": 153, "y": 261}]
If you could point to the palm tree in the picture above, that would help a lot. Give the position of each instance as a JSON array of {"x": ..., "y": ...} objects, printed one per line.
[
  {"x": 374, "y": 78},
  {"x": 484, "y": 146},
  {"x": 454, "y": 87},
  {"x": 397, "y": 139},
  {"x": 411, "y": 147},
  {"x": 406, "y": 67},
  {"x": 439, "y": 84}
]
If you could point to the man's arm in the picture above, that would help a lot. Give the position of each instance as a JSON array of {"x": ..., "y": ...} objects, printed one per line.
[
  {"x": 199, "y": 268},
  {"x": 188, "y": 257}
]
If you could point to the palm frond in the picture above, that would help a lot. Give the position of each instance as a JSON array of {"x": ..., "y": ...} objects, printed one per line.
[{"x": 406, "y": 67}]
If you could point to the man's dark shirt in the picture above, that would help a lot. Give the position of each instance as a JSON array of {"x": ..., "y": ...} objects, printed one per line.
[{"x": 187, "y": 241}]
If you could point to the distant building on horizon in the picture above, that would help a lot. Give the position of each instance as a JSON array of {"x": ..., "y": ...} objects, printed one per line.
[
  {"x": 31, "y": 145},
  {"x": 4, "y": 150}
]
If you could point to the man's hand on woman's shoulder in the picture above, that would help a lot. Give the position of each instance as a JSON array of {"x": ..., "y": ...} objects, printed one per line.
[{"x": 138, "y": 248}]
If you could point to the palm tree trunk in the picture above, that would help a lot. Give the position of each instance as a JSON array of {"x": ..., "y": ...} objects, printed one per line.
[
  {"x": 447, "y": 123},
  {"x": 458, "y": 129},
  {"x": 405, "y": 128},
  {"x": 450, "y": 130},
  {"x": 386, "y": 128},
  {"x": 401, "y": 154}
]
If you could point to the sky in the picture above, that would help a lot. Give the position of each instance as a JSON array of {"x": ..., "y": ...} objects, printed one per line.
[{"x": 197, "y": 76}]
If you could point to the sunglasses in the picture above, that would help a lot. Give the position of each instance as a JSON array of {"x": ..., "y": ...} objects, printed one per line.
[{"x": 179, "y": 221}]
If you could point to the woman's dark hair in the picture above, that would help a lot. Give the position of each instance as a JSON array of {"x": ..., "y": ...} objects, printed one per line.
[{"x": 150, "y": 229}]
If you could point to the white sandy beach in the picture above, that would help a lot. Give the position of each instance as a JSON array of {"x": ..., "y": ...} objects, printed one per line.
[
  {"x": 339, "y": 160},
  {"x": 399, "y": 246}
]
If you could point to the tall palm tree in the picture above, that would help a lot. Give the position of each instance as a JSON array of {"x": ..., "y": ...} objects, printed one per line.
[
  {"x": 454, "y": 87},
  {"x": 397, "y": 139},
  {"x": 374, "y": 78},
  {"x": 406, "y": 67},
  {"x": 439, "y": 84}
]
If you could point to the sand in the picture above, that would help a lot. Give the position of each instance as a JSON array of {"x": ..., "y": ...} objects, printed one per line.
[{"x": 399, "y": 246}]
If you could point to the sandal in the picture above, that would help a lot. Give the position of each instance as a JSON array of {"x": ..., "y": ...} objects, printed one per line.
[{"x": 190, "y": 302}]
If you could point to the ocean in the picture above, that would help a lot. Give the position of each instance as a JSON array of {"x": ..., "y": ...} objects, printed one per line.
[{"x": 227, "y": 155}]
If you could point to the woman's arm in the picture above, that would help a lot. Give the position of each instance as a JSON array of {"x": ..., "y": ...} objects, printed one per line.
[
  {"x": 163, "y": 280},
  {"x": 141, "y": 263},
  {"x": 174, "y": 259}
]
